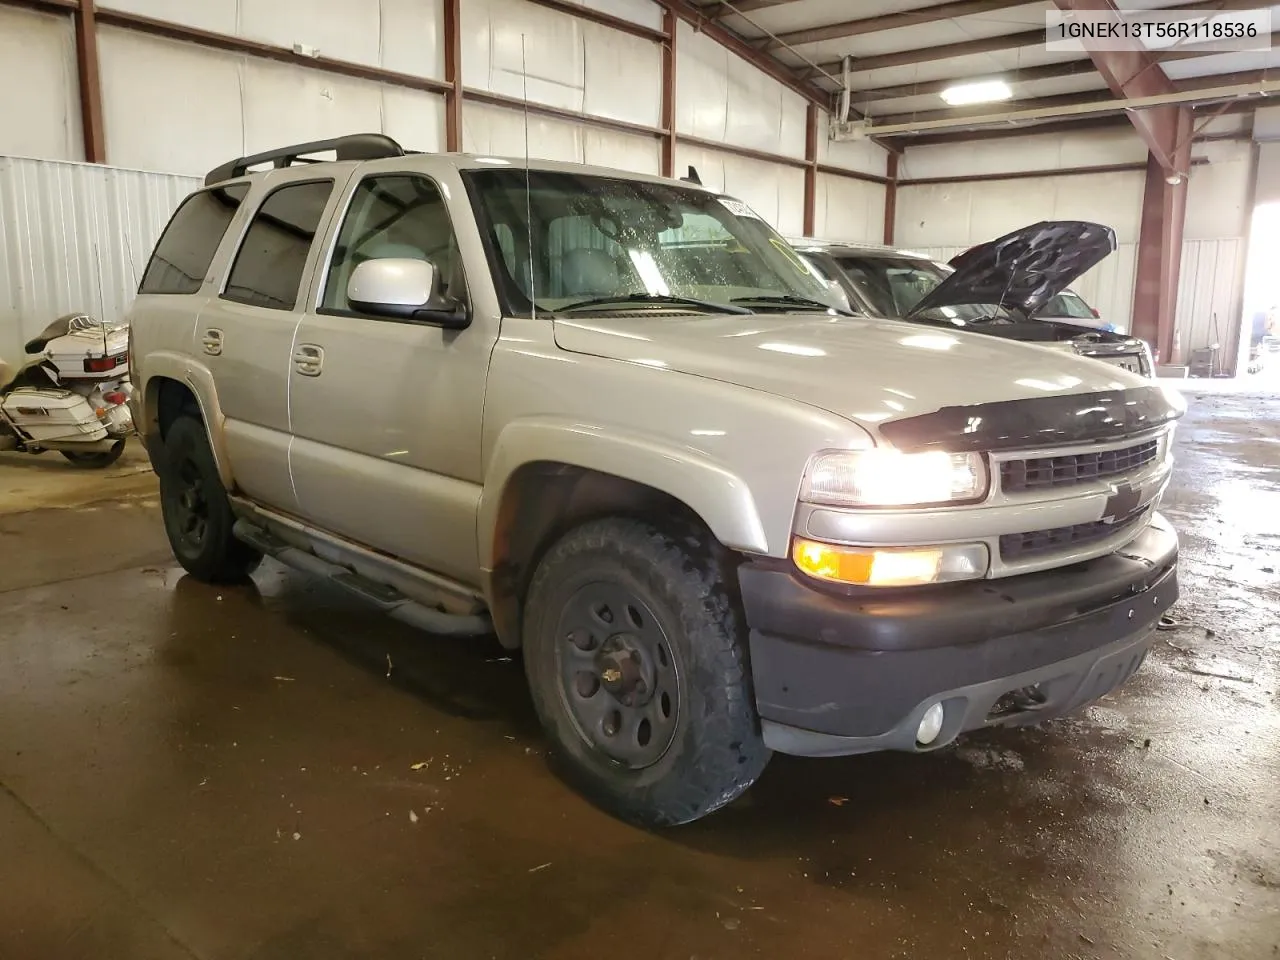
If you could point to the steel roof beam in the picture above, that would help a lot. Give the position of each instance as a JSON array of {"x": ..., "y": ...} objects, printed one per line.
[{"x": 890, "y": 21}]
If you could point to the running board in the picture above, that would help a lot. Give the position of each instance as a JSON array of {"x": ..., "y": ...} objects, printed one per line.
[{"x": 383, "y": 596}]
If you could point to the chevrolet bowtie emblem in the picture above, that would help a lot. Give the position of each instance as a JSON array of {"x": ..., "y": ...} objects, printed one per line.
[
  {"x": 1123, "y": 502},
  {"x": 611, "y": 675}
]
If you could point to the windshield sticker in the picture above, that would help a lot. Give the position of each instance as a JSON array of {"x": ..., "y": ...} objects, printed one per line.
[{"x": 738, "y": 208}]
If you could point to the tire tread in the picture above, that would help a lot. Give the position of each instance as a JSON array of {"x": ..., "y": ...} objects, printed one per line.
[
  {"x": 728, "y": 753},
  {"x": 224, "y": 559}
]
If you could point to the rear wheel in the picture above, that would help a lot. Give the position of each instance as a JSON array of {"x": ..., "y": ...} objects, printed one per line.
[
  {"x": 197, "y": 514},
  {"x": 636, "y": 659},
  {"x": 96, "y": 460}
]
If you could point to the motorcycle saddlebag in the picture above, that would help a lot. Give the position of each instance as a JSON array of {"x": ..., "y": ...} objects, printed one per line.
[{"x": 50, "y": 416}]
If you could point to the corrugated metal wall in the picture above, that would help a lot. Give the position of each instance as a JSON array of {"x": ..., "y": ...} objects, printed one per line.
[
  {"x": 1210, "y": 288},
  {"x": 75, "y": 236}
]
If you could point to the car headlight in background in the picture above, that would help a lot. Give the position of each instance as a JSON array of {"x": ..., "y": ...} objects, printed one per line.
[
  {"x": 1148, "y": 359},
  {"x": 890, "y": 566},
  {"x": 890, "y": 478}
]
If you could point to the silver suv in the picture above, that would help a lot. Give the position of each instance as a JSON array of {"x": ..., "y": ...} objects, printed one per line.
[{"x": 616, "y": 421}]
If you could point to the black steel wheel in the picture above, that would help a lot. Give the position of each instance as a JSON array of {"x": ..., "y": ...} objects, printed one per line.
[
  {"x": 97, "y": 460},
  {"x": 635, "y": 652},
  {"x": 197, "y": 514},
  {"x": 617, "y": 675},
  {"x": 190, "y": 505}
]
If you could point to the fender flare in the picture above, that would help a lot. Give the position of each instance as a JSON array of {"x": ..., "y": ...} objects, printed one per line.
[
  {"x": 716, "y": 494},
  {"x": 199, "y": 380}
]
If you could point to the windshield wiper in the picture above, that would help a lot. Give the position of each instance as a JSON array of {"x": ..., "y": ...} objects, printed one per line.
[
  {"x": 788, "y": 300},
  {"x": 654, "y": 298}
]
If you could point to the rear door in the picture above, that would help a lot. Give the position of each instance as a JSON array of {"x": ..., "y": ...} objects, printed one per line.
[
  {"x": 245, "y": 334},
  {"x": 176, "y": 283},
  {"x": 386, "y": 414}
]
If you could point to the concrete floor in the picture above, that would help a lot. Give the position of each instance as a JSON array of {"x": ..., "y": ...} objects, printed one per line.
[{"x": 275, "y": 772}]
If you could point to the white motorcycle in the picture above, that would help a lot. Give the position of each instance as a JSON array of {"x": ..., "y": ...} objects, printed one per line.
[{"x": 71, "y": 393}]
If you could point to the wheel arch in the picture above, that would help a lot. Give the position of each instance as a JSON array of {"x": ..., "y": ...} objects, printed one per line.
[
  {"x": 173, "y": 387},
  {"x": 544, "y": 479}
]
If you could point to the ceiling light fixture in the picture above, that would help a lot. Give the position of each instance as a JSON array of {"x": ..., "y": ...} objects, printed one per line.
[{"x": 984, "y": 91}]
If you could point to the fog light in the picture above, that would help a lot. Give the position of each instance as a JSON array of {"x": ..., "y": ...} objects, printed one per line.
[
  {"x": 930, "y": 725},
  {"x": 890, "y": 567}
]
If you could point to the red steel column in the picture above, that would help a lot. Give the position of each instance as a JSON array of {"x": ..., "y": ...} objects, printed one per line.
[
  {"x": 668, "y": 122},
  {"x": 453, "y": 75},
  {"x": 1159, "y": 258},
  {"x": 890, "y": 198},
  {"x": 86, "y": 30},
  {"x": 810, "y": 168}
]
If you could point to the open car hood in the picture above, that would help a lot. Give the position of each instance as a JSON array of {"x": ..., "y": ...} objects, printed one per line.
[{"x": 1022, "y": 271}]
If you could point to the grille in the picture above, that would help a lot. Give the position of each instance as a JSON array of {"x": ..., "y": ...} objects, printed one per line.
[
  {"x": 1020, "y": 546},
  {"x": 1129, "y": 362},
  {"x": 1045, "y": 473}
]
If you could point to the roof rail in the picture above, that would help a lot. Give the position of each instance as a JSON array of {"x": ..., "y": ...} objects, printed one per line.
[{"x": 356, "y": 146}]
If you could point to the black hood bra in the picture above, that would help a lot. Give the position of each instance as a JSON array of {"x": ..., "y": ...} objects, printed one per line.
[{"x": 1022, "y": 271}]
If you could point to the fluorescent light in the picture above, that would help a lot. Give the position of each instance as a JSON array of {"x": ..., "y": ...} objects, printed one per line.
[{"x": 984, "y": 91}]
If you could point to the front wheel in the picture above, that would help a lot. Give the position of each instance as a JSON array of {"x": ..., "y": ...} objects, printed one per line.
[
  {"x": 635, "y": 652},
  {"x": 97, "y": 460},
  {"x": 197, "y": 514}
]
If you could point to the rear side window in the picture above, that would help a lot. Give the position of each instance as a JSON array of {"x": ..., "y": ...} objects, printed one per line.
[
  {"x": 268, "y": 268},
  {"x": 186, "y": 248}
]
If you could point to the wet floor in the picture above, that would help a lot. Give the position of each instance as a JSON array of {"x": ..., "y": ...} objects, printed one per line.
[{"x": 275, "y": 772}]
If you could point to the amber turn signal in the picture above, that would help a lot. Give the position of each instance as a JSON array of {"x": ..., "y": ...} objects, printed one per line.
[{"x": 889, "y": 567}]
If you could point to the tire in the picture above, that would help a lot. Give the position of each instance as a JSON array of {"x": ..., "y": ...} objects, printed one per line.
[
  {"x": 197, "y": 514},
  {"x": 678, "y": 629},
  {"x": 95, "y": 461}
]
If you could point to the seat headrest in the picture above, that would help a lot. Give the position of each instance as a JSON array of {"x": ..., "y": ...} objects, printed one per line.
[{"x": 589, "y": 273}]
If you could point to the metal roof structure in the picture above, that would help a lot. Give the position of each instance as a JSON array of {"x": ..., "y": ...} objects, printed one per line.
[{"x": 903, "y": 53}]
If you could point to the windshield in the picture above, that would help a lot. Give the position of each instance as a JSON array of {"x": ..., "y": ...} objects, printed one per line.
[
  {"x": 575, "y": 239},
  {"x": 893, "y": 285},
  {"x": 1067, "y": 304}
]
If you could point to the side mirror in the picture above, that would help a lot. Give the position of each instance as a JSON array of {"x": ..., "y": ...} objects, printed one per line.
[
  {"x": 839, "y": 297},
  {"x": 404, "y": 289}
]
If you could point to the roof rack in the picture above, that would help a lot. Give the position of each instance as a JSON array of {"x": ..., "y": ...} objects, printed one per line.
[{"x": 356, "y": 146}]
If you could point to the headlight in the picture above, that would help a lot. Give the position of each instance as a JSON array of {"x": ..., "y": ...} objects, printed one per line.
[
  {"x": 1148, "y": 359},
  {"x": 889, "y": 478},
  {"x": 890, "y": 567}
]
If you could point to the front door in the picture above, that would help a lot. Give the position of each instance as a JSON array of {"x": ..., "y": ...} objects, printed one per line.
[
  {"x": 245, "y": 335},
  {"x": 386, "y": 414}
]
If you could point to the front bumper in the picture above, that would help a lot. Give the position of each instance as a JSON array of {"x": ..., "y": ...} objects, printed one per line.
[{"x": 841, "y": 673}]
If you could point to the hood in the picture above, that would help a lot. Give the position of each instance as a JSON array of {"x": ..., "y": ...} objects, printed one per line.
[
  {"x": 1022, "y": 271},
  {"x": 868, "y": 371}
]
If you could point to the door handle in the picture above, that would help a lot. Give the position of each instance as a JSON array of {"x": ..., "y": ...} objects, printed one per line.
[
  {"x": 309, "y": 359},
  {"x": 212, "y": 342}
]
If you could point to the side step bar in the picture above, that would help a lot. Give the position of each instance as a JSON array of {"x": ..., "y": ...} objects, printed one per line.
[{"x": 386, "y": 598}]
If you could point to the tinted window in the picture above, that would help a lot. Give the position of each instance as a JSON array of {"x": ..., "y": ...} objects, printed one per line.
[
  {"x": 268, "y": 267},
  {"x": 186, "y": 248},
  {"x": 394, "y": 216}
]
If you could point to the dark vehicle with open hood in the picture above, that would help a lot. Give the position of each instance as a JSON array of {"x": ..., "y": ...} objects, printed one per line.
[{"x": 999, "y": 288}]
